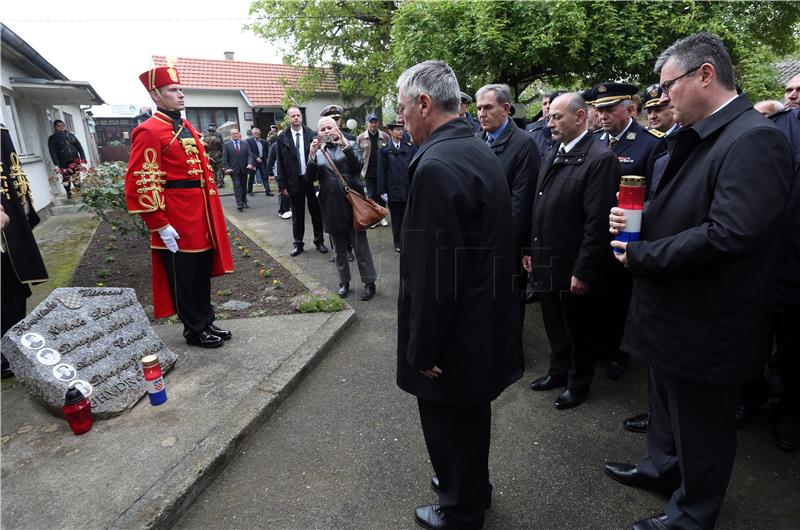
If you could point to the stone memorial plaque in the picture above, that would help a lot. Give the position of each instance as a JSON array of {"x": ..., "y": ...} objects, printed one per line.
[{"x": 92, "y": 338}]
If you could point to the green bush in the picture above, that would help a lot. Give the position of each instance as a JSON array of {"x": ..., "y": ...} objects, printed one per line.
[
  {"x": 319, "y": 302},
  {"x": 103, "y": 194}
]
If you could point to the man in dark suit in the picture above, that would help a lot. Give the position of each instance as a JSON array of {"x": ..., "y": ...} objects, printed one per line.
[
  {"x": 259, "y": 150},
  {"x": 293, "y": 144},
  {"x": 457, "y": 348},
  {"x": 517, "y": 152},
  {"x": 703, "y": 273},
  {"x": 237, "y": 161},
  {"x": 569, "y": 247}
]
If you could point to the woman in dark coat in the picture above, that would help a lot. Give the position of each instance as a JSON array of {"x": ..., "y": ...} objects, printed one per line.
[{"x": 337, "y": 214}]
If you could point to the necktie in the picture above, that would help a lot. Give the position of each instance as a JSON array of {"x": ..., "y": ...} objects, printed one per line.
[
  {"x": 236, "y": 145},
  {"x": 489, "y": 140},
  {"x": 297, "y": 141},
  {"x": 612, "y": 140}
]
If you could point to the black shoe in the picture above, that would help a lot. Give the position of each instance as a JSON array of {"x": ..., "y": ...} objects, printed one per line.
[
  {"x": 616, "y": 369},
  {"x": 296, "y": 251},
  {"x": 246, "y": 205},
  {"x": 239, "y": 209},
  {"x": 431, "y": 516},
  {"x": 344, "y": 290},
  {"x": 787, "y": 434},
  {"x": 743, "y": 414},
  {"x": 571, "y": 397},
  {"x": 224, "y": 334},
  {"x": 251, "y": 194},
  {"x": 204, "y": 339},
  {"x": 350, "y": 257},
  {"x": 437, "y": 488},
  {"x": 270, "y": 194},
  {"x": 322, "y": 248},
  {"x": 657, "y": 522},
  {"x": 638, "y": 423},
  {"x": 548, "y": 382},
  {"x": 332, "y": 258},
  {"x": 368, "y": 292},
  {"x": 629, "y": 475}
]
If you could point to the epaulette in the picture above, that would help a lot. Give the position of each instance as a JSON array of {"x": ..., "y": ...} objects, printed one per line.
[{"x": 655, "y": 132}]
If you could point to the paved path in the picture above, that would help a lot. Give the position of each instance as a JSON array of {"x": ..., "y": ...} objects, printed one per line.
[{"x": 346, "y": 451}]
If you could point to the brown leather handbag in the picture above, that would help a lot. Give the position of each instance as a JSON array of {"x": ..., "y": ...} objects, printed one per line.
[{"x": 366, "y": 212}]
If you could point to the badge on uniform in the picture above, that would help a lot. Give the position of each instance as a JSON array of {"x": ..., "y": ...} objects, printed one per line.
[
  {"x": 625, "y": 159},
  {"x": 630, "y": 136}
]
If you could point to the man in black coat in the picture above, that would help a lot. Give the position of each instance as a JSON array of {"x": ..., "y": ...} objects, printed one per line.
[
  {"x": 259, "y": 150},
  {"x": 517, "y": 152},
  {"x": 393, "y": 181},
  {"x": 569, "y": 247},
  {"x": 293, "y": 144},
  {"x": 66, "y": 152},
  {"x": 703, "y": 276},
  {"x": 284, "y": 208},
  {"x": 457, "y": 348},
  {"x": 237, "y": 161},
  {"x": 22, "y": 264}
]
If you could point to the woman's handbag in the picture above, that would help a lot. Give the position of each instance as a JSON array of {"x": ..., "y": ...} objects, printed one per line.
[{"x": 366, "y": 212}]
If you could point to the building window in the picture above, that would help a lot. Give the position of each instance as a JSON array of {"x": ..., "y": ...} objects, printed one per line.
[
  {"x": 201, "y": 117},
  {"x": 68, "y": 122},
  {"x": 11, "y": 120}
]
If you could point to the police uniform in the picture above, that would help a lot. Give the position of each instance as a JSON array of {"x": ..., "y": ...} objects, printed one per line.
[
  {"x": 171, "y": 183},
  {"x": 636, "y": 142}
]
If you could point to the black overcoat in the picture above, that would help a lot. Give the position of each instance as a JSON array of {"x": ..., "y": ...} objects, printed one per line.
[
  {"x": 456, "y": 306},
  {"x": 704, "y": 269},
  {"x": 337, "y": 214},
  {"x": 569, "y": 226},
  {"x": 288, "y": 160},
  {"x": 393, "y": 177},
  {"x": 519, "y": 156}
]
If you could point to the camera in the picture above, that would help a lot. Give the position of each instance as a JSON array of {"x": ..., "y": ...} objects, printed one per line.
[{"x": 326, "y": 138}]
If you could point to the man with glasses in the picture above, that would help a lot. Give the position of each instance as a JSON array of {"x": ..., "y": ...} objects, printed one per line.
[{"x": 703, "y": 271}]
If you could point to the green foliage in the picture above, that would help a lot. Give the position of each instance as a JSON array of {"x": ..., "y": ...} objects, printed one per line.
[
  {"x": 224, "y": 292},
  {"x": 558, "y": 43},
  {"x": 257, "y": 313},
  {"x": 352, "y": 38},
  {"x": 103, "y": 274},
  {"x": 319, "y": 302},
  {"x": 103, "y": 194}
]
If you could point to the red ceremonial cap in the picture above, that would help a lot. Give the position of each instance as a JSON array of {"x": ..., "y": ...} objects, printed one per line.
[{"x": 159, "y": 76}]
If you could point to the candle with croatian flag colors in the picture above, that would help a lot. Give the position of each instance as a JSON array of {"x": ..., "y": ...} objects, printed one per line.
[
  {"x": 156, "y": 389},
  {"x": 631, "y": 200}
]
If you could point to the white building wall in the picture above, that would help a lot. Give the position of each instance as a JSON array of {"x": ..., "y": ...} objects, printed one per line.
[{"x": 196, "y": 97}]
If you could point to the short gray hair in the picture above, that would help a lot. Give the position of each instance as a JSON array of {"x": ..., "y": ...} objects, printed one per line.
[
  {"x": 574, "y": 101},
  {"x": 501, "y": 92},
  {"x": 695, "y": 50},
  {"x": 436, "y": 79}
]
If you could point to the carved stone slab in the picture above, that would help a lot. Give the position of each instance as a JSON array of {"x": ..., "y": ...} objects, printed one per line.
[{"x": 92, "y": 338}]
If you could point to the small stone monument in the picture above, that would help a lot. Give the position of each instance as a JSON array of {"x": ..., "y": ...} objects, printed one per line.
[{"x": 92, "y": 338}]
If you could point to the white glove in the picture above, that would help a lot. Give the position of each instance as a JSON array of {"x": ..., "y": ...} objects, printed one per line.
[
  {"x": 170, "y": 238},
  {"x": 385, "y": 197}
]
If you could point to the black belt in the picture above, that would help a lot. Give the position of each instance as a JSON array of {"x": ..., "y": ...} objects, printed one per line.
[{"x": 183, "y": 184}]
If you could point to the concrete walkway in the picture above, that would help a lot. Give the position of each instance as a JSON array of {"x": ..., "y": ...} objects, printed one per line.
[{"x": 346, "y": 451}]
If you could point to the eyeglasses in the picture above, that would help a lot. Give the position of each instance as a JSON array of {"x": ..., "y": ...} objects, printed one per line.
[
  {"x": 401, "y": 107},
  {"x": 666, "y": 86}
]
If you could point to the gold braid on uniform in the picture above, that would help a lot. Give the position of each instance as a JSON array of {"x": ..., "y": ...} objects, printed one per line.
[
  {"x": 18, "y": 179},
  {"x": 151, "y": 183},
  {"x": 190, "y": 147}
]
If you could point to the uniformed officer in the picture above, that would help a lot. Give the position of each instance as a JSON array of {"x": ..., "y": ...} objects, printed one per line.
[
  {"x": 659, "y": 116},
  {"x": 632, "y": 143},
  {"x": 464, "y": 113},
  {"x": 213, "y": 143},
  {"x": 170, "y": 183},
  {"x": 620, "y": 131}
]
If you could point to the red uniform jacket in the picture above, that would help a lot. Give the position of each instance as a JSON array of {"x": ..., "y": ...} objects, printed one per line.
[{"x": 159, "y": 156}]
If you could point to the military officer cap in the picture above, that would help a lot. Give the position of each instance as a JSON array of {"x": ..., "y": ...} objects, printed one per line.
[
  {"x": 609, "y": 94},
  {"x": 332, "y": 110},
  {"x": 589, "y": 95},
  {"x": 652, "y": 96},
  {"x": 465, "y": 98},
  {"x": 393, "y": 125}
]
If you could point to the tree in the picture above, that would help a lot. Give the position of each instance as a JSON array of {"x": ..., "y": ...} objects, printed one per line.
[
  {"x": 350, "y": 37},
  {"x": 577, "y": 44}
]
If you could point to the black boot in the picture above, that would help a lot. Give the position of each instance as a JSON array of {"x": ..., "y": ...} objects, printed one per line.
[{"x": 369, "y": 291}]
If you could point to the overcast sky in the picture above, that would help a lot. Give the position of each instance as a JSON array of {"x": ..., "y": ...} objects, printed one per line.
[{"x": 110, "y": 43}]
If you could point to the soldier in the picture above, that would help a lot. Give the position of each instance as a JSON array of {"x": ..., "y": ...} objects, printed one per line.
[
  {"x": 171, "y": 185},
  {"x": 632, "y": 144},
  {"x": 213, "y": 142},
  {"x": 659, "y": 116},
  {"x": 464, "y": 113},
  {"x": 22, "y": 264}
]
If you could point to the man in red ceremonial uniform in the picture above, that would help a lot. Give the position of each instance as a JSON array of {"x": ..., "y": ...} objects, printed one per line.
[{"x": 171, "y": 185}]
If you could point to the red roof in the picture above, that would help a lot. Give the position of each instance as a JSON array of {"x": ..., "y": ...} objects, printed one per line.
[{"x": 260, "y": 81}]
